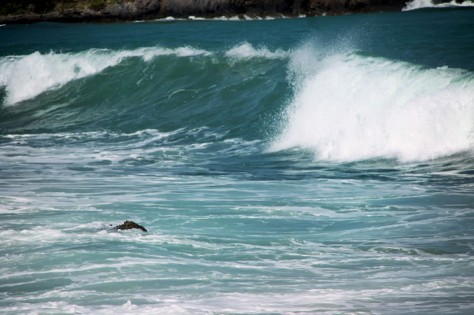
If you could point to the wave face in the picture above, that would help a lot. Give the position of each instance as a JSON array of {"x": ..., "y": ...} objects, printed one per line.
[
  {"x": 168, "y": 87},
  {"x": 25, "y": 77},
  {"x": 345, "y": 106},
  {"x": 350, "y": 107}
]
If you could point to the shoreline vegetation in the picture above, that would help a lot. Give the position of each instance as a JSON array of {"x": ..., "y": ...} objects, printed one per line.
[{"x": 32, "y": 11}]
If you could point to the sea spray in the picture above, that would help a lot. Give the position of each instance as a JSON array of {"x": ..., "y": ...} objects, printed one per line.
[
  {"x": 246, "y": 51},
  {"x": 351, "y": 107}
]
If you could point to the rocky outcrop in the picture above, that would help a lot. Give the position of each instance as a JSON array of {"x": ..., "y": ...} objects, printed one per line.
[
  {"x": 129, "y": 225},
  {"x": 316, "y": 7},
  {"x": 26, "y": 11},
  {"x": 80, "y": 11}
]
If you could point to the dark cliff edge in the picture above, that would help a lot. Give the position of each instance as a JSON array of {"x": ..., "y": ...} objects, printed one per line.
[{"x": 31, "y": 11}]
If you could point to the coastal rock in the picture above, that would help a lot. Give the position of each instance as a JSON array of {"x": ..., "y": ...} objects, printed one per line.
[
  {"x": 29, "y": 11},
  {"x": 128, "y": 225},
  {"x": 261, "y": 8},
  {"x": 137, "y": 9}
]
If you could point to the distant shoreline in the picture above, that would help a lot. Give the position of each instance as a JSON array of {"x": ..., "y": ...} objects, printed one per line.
[{"x": 79, "y": 11}]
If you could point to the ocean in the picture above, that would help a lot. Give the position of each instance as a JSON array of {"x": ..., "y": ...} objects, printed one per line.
[{"x": 318, "y": 165}]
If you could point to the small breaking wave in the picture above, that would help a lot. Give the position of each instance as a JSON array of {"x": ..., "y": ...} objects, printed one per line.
[
  {"x": 419, "y": 4},
  {"x": 246, "y": 51}
]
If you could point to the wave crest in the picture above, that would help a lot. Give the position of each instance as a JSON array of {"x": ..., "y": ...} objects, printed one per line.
[
  {"x": 350, "y": 108},
  {"x": 25, "y": 77},
  {"x": 246, "y": 51}
]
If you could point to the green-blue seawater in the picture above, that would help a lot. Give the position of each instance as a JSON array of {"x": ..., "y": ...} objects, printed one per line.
[{"x": 319, "y": 165}]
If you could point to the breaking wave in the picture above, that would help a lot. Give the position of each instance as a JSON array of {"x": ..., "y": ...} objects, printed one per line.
[
  {"x": 25, "y": 77},
  {"x": 247, "y": 51},
  {"x": 350, "y": 107},
  {"x": 419, "y": 4}
]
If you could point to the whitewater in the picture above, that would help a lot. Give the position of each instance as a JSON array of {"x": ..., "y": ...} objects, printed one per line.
[{"x": 314, "y": 165}]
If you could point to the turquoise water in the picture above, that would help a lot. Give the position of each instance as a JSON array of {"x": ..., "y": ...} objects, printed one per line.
[{"x": 294, "y": 166}]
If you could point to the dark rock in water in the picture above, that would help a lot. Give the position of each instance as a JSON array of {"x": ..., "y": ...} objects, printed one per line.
[{"x": 128, "y": 225}]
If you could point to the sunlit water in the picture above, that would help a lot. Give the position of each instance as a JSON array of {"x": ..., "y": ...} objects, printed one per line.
[{"x": 317, "y": 165}]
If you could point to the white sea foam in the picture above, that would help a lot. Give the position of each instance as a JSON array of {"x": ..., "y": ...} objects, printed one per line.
[
  {"x": 37, "y": 235},
  {"x": 348, "y": 107},
  {"x": 246, "y": 51},
  {"x": 25, "y": 77},
  {"x": 419, "y": 4},
  {"x": 312, "y": 301},
  {"x": 226, "y": 18}
]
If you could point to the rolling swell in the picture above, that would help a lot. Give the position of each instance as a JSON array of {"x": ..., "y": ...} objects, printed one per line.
[
  {"x": 146, "y": 88},
  {"x": 345, "y": 106}
]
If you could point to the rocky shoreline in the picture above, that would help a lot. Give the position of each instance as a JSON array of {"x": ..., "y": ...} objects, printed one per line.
[{"x": 32, "y": 11}]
